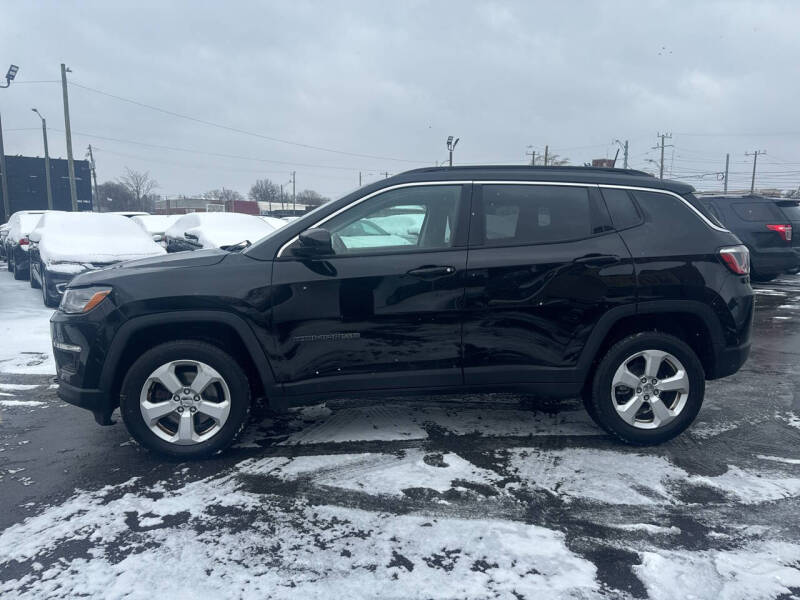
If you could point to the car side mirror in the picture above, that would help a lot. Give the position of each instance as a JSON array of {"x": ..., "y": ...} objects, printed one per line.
[
  {"x": 314, "y": 242},
  {"x": 34, "y": 237},
  {"x": 157, "y": 237},
  {"x": 190, "y": 236}
]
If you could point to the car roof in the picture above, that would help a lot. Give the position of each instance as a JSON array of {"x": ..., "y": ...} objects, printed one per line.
[{"x": 565, "y": 174}]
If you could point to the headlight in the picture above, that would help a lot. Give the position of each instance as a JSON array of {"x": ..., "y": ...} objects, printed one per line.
[{"x": 81, "y": 300}]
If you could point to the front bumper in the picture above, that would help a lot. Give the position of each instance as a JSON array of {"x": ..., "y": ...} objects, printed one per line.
[{"x": 90, "y": 399}]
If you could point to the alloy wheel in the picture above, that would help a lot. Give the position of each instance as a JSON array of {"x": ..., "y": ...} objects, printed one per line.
[
  {"x": 185, "y": 402},
  {"x": 650, "y": 389}
]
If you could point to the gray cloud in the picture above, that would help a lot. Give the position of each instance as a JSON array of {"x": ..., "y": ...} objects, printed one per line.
[{"x": 394, "y": 79}]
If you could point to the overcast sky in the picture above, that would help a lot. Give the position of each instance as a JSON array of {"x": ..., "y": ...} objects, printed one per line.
[{"x": 382, "y": 84}]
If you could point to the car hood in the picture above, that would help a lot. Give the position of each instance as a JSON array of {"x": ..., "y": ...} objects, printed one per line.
[{"x": 199, "y": 258}]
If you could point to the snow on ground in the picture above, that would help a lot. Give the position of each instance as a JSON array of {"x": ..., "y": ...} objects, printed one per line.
[{"x": 24, "y": 329}]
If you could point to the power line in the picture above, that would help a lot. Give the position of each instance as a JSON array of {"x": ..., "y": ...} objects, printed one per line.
[{"x": 242, "y": 131}]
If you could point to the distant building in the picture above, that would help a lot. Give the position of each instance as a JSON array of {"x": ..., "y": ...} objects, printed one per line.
[
  {"x": 603, "y": 162},
  {"x": 180, "y": 205},
  {"x": 27, "y": 189}
]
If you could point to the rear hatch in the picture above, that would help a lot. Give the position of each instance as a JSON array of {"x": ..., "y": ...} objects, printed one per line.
[{"x": 791, "y": 210}]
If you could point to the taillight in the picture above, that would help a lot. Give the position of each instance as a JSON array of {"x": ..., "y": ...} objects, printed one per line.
[
  {"x": 785, "y": 231},
  {"x": 736, "y": 258},
  {"x": 23, "y": 241}
]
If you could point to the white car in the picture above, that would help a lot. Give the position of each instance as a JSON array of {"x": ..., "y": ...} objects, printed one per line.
[
  {"x": 215, "y": 230},
  {"x": 65, "y": 244},
  {"x": 274, "y": 221},
  {"x": 156, "y": 225},
  {"x": 20, "y": 225}
]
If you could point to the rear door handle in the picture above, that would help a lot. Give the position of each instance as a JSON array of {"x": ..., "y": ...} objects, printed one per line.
[
  {"x": 432, "y": 271},
  {"x": 597, "y": 259}
]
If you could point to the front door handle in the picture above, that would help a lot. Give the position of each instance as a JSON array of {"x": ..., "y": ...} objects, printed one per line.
[
  {"x": 432, "y": 271},
  {"x": 597, "y": 259}
]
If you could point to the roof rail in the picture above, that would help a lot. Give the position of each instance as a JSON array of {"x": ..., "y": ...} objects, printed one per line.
[{"x": 531, "y": 168}]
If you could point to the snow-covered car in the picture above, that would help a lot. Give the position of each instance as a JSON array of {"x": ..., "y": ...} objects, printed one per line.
[
  {"x": 274, "y": 221},
  {"x": 17, "y": 244},
  {"x": 65, "y": 244},
  {"x": 215, "y": 230},
  {"x": 364, "y": 234},
  {"x": 155, "y": 225},
  {"x": 3, "y": 234}
]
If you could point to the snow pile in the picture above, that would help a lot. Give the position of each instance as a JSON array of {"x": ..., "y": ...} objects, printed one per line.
[
  {"x": 25, "y": 332},
  {"x": 92, "y": 238},
  {"x": 274, "y": 221},
  {"x": 217, "y": 229}
]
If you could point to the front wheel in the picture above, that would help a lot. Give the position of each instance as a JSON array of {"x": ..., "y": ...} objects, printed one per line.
[
  {"x": 33, "y": 281},
  {"x": 647, "y": 389},
  {"x": 187, "y": 399}
]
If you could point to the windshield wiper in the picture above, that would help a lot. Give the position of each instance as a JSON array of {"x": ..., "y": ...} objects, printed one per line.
[{"x": 240, "y": 246}]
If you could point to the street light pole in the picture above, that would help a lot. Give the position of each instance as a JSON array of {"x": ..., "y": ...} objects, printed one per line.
[
  {"x": 73, "y": 192},
  {"x": 46, "y": 161},
  {"x": 451, "y": 145},
  {"x": 10, "y": 75}
]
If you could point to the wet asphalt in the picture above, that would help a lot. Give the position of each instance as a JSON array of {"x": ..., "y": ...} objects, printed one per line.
[{"x": 51, "y": 450}]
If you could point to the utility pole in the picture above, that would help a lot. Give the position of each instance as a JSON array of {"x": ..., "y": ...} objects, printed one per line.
[
  {"x": 546, "y": 152},
  {"x": 96, "y": 200},
  {"x": 663, "y": 137},
  {"x": 755, "y": 160},
  {"x": 10, "y": 75},
  {"x": 46, "y": 161},
  {"x": 624, "y": 153},
  {"x": 73, "y": 192},
  {"x": 725, "y": 181},
  {"x": 386, "y": 174},
  {"x": 532, "y": 154},
  {"x": 3, "y": 172},
  {"x": 359, "y": 179},
  {"x": 294, "y": 197}
]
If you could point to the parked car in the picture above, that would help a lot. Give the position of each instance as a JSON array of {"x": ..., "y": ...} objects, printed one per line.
[
  {"x": 274, "y": 221},
  {"x": 554, "y": 281},
  {"x": 3, "y": 234},
  {"x": 17, "y": 244},
  {"x": 65, "y": 244},
  {"x": 214, "y": 230},
  {"x": 765, "y": 226},
  {"x": 156, "y": 225}
]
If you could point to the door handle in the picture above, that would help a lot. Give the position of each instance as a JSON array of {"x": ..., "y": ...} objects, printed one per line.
[
  {"x": 597, "y": 259},
  {"x": 431, "y": 271}
]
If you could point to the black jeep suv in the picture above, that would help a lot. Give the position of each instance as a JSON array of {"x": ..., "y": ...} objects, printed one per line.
[{"x": 601, "y": 283}]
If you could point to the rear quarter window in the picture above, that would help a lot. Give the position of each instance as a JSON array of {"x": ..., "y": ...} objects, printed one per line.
[
  {"x": 790, "y": 208},
  {"x": 621, "y": 207},
  {"x": 756, "y": 211}
]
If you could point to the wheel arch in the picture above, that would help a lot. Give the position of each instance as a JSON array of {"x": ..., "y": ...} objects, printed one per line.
[
  {"x": 222, "y": 329},
  {"x": 691, "y": 321}
]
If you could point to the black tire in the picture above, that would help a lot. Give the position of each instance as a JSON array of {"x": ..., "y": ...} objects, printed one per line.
[
  {"x": 219, "y": 360},
  {"x": 20, "y": 274},
  {"x": 34, "y": 284},
  {"x": 50, "y": 300},
  {"x": 601, "y": 402}
]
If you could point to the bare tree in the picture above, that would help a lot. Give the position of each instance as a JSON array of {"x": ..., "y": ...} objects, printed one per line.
[
  {"x": 140, "y": 185},
  {"x": 224, "y": 195},
  {"x": 265, "y": 190},
  {"x": 311, "y": 198},
  {"x": 553, "y": 160}
]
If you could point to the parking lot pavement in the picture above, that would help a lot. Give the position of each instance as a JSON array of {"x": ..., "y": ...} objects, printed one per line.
[{"x": 467, "y": 497}]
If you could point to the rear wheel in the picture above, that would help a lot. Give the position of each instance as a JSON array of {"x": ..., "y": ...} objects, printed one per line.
[
  {"x": 19, "y": 273},
  {"x": 34, "y": 283},
  {"x": 647, "y": 389},
  {"x": 186, "y": 399}
]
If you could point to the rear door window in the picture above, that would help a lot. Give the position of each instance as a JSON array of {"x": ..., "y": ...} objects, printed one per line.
[
  {"x": 756, "y": 211},
  {"x": 538, "y": 214}
]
